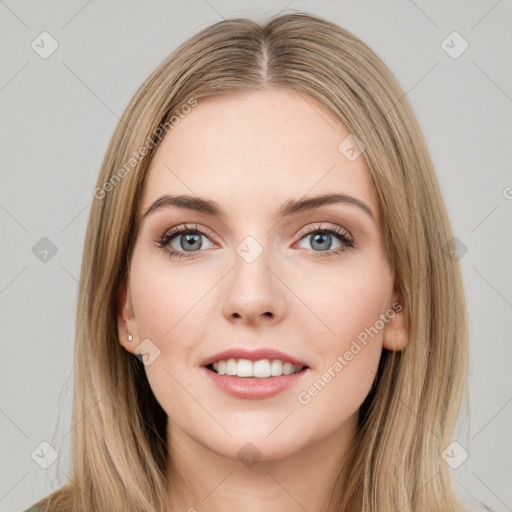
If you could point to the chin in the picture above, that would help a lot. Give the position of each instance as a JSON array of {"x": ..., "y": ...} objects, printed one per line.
[{"x": 254, "y": 441}]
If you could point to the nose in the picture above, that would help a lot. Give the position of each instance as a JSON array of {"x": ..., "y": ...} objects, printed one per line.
[{"x": 254, "y": 294}]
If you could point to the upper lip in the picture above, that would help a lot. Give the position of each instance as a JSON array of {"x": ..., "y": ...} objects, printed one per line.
[{"x": 252, "y": 355}]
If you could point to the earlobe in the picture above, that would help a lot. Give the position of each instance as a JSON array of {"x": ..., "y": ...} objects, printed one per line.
[
  {"x": 125, "y": 319},
  {"x": 396, "y": 332}
]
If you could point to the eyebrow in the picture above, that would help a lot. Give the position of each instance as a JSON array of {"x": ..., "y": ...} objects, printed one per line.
[{"x": 289, "y": 207}]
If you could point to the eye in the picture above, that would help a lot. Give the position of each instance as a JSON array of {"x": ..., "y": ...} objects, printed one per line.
[
  {"x": 183, "y": 241},
  {"x": 321, "y": 240},
  {"x": 187, "y": 240}
]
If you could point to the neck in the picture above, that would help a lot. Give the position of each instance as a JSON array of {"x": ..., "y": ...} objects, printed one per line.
[{"x": 308, "y": 479}]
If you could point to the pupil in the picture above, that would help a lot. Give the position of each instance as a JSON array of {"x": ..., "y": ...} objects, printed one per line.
[
  {"x": 319, "y": 238},
  {"x": 190, "y": 241}
]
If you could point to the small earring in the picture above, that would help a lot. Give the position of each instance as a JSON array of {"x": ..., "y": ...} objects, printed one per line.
[{"x": 130, "y": 337}]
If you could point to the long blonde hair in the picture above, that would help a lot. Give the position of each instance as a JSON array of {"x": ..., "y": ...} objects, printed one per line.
[{"x": 119, "y": 446}]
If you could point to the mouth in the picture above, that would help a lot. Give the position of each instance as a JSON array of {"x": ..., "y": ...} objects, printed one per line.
[
  {"x": 254, "y": 374},
  {"x": 259, "y": 369},
  {"x": 254, "y": 379}
]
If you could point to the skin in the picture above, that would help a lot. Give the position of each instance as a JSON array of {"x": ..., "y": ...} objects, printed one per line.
[{"x": 250, "y": 154}]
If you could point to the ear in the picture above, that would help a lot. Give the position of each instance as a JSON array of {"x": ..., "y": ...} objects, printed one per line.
[
  {"x": 396, "y": 332},
  {"x": 126, "y": 321}
]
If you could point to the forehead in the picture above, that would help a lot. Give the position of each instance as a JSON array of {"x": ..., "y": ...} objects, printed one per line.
[{"x": 256, "y": 150}]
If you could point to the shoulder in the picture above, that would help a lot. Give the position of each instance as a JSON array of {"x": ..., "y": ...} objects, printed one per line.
[{"x": 32, "y": 509}]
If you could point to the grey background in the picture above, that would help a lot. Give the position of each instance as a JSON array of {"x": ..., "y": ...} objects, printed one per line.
[{"x": 59, "y": 113}]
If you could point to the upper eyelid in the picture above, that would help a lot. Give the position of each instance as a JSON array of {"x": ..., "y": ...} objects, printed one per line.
[
  {"x": 313, "y": 228},
  {"x": 178, "y": 230}
]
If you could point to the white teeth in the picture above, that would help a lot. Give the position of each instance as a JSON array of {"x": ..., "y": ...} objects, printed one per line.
[
  {"x": 244, "y": 368},
  {"x": 287, "y": 368},
  {"x": 261, "y": 368},
  {"x": 231, "y": 367},
  {"x": 276, "y": 368}
]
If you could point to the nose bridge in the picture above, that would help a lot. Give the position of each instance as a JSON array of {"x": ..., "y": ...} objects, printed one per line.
[{"x": 252, "y": 290}]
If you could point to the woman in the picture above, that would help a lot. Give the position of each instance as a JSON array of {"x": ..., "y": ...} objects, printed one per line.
[{"x": 223, "y": 357}]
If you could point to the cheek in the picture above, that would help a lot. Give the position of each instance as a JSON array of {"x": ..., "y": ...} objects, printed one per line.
[
  {"x": 173, "y": 310},
  {"x": 169, "y": 313},
  {"x": 167, "y": 302},
  {"x": 342, "y": 302},
  {"x": 346, "y": 333}
]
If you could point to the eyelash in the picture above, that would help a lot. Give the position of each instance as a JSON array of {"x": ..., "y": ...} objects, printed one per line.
[{"x": 163, "y": 241}]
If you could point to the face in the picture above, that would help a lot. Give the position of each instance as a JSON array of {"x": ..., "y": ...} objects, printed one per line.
[{"x": 309, "y": 285}]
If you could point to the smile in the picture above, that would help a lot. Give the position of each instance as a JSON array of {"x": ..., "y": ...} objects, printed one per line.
[
  {"x": 254, "y": 380},
  {"x": 261, "y": 368}
]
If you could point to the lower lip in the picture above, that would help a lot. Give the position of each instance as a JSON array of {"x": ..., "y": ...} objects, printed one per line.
[{"x": 254, "y": 388}]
